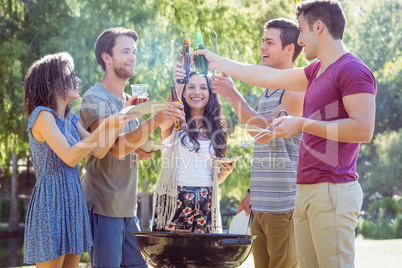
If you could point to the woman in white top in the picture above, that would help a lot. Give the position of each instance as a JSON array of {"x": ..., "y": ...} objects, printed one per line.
[{"x": 186, "y": 197}]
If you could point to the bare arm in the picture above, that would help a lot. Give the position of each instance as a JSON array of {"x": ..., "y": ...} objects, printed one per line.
[
  {"x": 257, "y": 75},
  {"x": 227, "y": 168},
  {"x": 359, "y": 127},
  {"x": 292, "y": 103},
  {"x": 178, "y": 73},
  {"x": 108, "y": 140},
  {"x": 245, "y": 204},
  {"x": 46, "y": 130},
  {"x": 132, "y": 140}
]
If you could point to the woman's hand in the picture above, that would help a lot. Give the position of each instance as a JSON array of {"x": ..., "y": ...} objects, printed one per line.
[
  {"x": 227, "y": 167},
  {"x": 119, "y": 120},
  {"x": 168, "y": 116},
  {"x": 178, "y": 72},
  {"x": 142, "y": 155}
]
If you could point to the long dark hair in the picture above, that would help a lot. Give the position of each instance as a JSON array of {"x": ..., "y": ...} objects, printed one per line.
[
  {"x": 52, "y": 74},
  {"x": 213, "y": 121}
]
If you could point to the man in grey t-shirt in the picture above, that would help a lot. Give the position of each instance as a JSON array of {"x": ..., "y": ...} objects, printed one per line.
[{"x": 110, "y": 184}]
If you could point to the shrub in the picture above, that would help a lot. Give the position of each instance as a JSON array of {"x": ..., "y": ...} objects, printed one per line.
[
  {"x": 384, "y": 220},
  {"x": 5, "y": 209}
]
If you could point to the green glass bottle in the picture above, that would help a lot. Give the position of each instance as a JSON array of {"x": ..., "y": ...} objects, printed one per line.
[{"x": 201, "y": 63}]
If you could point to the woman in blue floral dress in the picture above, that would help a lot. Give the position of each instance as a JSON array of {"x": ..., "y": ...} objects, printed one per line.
[{"x": 57, "y": 229}]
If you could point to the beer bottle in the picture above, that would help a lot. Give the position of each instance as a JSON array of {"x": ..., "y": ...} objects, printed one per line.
[
  {"x": 185, "y": 60},
  {"x": 178, "y": 125},
  {"x": 201, "y": 63}
]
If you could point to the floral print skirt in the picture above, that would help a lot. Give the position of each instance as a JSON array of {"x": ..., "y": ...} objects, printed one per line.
[{"x": 193, "y": 211}]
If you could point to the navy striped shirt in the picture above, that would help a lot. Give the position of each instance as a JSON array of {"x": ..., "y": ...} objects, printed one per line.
[{"x": 274, "y": 166}]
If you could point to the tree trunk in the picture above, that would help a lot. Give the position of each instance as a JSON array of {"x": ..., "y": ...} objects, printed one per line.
[
  {"x": 14, "y": 213},
  {"x": 28, "y": 173}
]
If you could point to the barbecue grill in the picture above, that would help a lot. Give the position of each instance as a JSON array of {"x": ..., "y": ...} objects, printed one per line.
[{"x": 168, "y": 250}]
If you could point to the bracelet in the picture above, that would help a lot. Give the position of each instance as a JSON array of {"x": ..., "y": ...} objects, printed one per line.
[{"x": 248, "y": 190}]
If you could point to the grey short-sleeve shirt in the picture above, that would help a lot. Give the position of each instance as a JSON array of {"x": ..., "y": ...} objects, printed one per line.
[{"x": 110, "y": 184}]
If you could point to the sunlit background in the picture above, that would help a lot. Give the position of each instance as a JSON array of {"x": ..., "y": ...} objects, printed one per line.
[{"x": 32, "y": 28}]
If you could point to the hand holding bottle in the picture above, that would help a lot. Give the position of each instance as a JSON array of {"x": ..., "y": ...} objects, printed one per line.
[
  {"x": 179, "y": 125},
  {"x": 168, "y": 116},
  {"x": 200, "y": 62},
  {"x": 185, "y": 60},
  {"x": 179, "y": 72},
  {"x": 213, "y": 59}
]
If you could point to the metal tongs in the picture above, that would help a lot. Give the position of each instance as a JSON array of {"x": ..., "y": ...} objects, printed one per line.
[
  {"x": 212, "y": 45},
  {"x": 262, "y": 133}
]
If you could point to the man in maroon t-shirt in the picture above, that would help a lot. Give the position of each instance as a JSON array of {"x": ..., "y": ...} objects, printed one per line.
[{"x": 338, "y": 114}]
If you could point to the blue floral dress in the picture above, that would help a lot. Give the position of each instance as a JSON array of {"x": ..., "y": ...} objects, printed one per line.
[{"x": 57, "y": 219}]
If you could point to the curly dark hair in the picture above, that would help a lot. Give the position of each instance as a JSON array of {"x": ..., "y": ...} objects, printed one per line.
[
  {"x": 213, "y": 120},
  {"x": 51, "y": 75}
]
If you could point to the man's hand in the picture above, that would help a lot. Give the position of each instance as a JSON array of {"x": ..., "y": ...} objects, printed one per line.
[
  {"x": 287, "y": 126},
  {"x": 130, "y": 101},
  {"x": 222, "y": 85},
  {"x": 211, "y": 57},
  {"x": 245, "y": 204},
  {"x": 142, "y": 155}
]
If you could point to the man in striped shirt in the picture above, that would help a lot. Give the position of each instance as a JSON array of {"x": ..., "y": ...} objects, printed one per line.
[{"x": 272, "y": 191}]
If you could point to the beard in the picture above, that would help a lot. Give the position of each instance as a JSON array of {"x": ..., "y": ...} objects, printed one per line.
[{"x": 122, "y": 73}]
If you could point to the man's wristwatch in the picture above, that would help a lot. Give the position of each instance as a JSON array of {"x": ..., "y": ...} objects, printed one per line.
[{"x": 248, "y": 190}]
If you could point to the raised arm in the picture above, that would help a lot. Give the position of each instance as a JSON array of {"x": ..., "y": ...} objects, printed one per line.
[
  {"x": 46, "y": 130},
  {"x": 178, "y": 73},
  {"x": 129, "y": 142},
  {"x": 109, "y": 139},
  {"x": 257, "y": 75},
  {"x": 292, "y": 103}
]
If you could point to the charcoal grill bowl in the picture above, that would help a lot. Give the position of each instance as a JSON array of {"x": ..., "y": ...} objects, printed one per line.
[{"x": 168, "y": 250}]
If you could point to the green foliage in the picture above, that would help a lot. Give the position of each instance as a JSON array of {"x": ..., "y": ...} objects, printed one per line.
[
  {"x": 236, "y": 184},
  {"x": 85, "y": 258},
  {"x": 5, "y": 209},
  {"x": 383, "y": 173},
  {"x": 391, "y": 207},
  {"x": 373, "y": 30},
  {"x": 384, "y": 220},
  {"x": 31, "y": 29},
  {"x": 12, "y": 48},
  {"x": 389, "y": 96}
]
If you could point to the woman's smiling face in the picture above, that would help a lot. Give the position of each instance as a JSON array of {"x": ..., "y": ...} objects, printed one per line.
[{"x": 196, "y": 92}]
